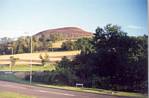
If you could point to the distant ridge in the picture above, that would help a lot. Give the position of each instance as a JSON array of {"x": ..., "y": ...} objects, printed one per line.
[{"x": 65, "y": 32}]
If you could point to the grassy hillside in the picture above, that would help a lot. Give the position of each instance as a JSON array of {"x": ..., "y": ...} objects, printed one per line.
[{"x": 54, "y": 56}]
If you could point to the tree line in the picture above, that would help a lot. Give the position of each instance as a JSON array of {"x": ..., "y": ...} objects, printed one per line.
[{"x": 23, "y": 44}]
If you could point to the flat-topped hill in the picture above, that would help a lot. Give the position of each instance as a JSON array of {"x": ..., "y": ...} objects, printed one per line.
[{"x": 65, "y": 32}]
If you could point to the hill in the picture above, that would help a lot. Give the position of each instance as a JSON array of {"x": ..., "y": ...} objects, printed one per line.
[{"x": 65, "y": 32}]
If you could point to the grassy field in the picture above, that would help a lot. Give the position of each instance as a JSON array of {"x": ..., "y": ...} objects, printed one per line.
[
  {"x": 28, "y": 68},
  {"x": 54, "y": 56},
  {"x": 14, "y": 95},
  {"x": 25, "y": 65},
  {"x": 13, "y": 78},
  {"x": 58, "y": 44}
]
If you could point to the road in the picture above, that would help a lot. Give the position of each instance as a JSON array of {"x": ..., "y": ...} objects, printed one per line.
[{"x": 41, "y": 92}]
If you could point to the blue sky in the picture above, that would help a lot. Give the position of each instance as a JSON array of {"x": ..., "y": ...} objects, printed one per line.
[{"x": 19, "y": 16}]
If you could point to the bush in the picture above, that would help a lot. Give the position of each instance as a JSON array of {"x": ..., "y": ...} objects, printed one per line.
[{"x": 68, "y": 45}]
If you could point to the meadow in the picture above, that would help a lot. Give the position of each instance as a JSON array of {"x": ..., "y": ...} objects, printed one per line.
[{"x": 26, "y": 58}]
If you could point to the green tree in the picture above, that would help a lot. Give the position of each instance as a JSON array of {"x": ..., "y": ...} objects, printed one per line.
[
  {"x": 68, "y": 45},
  {"x": 13, "y": 61},
  {"x": 85, "y": 45},
  {"x": 4, "y": 45},
  {"x": 118, "y": 59},
  {"x": 65, "y": 71},
  {"x": 44, "y": 59},
  {"x": 44, "y": 41},
  {"x": 56, "y": 37}
]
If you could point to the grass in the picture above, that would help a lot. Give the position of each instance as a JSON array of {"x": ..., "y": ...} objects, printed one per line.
[
  {"x": 27, "y": 68},
  {"x": 57, "y": 44},
  {"x": 95, "y": 90},
  {"x": 14, "y": 95},
  {"x": 54, "y": 56},
  {"x": 13, "y": 78},
  {"x": 36, "y": 55}
]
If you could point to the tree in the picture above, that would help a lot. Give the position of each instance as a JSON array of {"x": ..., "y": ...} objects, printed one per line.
[
  {"x": 85, "y": 45},
  {"x": 13, "y": 61},
  {"x": 65, "y": 71},
  {"x": 35, "y": 44},
  {"x": 50, "y": 45},
  {"x": 4, "y": 47},
  {"x": 68, "y": 45},
  {"x": 44, "y": 59},
  {"x": 64, "y": 63},
  {"x": 44, "y": 42},
  {"x": 22, "y": 45},
  {"x": 118, "y": 59},
  {"x": 56, "y": 37},
  {"x": 5, "y": 40},
  {"x": 110, "y": 43}
]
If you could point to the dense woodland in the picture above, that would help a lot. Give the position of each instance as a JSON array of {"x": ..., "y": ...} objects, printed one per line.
[{"x": 109, "y": 60}]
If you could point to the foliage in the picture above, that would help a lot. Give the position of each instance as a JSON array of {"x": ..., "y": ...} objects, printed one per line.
[
  {"x": 62, "y": 75},
  {"x": 4, "y": 45},
  {"x": 114, "y": 58},
  {"x": 44, "y": 42},
  {"x": 56, "y": 37},
  {"x": 44, "y": 59},
  {"x": 118, "y": 59},
  {"x": 13, "y": 61},
  {"x": 83, "y": 44},
  {"x": 23, "y": 44},
  {"x": 68, "y": 45}
]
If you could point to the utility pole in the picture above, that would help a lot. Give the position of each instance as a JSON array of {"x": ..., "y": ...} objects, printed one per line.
[
  {"x": 12, "y": 56},
  {"x": 10, "y": 46},
  {"x": 31, "y": 62},
  {"x": 12, "y": 50},
  {"x": 31, "y": 50}
]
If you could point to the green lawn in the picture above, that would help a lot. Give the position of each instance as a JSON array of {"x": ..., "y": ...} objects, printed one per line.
[
  {"x": 13, "y": 78},
  {"x": 28, "y": 68},
  {"x": 14, "y": 95},
  {"x": 94, "y": 90}
]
